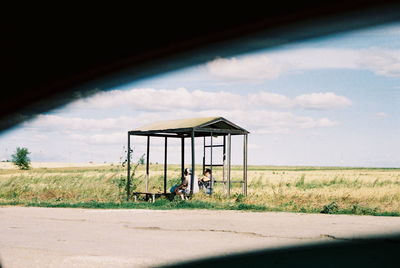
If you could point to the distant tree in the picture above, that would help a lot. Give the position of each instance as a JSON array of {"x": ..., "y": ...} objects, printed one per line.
[{"x": 21, "y": 159}]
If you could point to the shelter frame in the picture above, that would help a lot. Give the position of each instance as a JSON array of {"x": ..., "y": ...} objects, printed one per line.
[{"x": 186, "y": 129}]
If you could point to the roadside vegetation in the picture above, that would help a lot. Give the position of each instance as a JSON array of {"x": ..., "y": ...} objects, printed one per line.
[{"x": 361, "y": 191}]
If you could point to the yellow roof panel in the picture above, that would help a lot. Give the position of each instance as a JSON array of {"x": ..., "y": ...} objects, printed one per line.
[{"x": 176, "y": 124}]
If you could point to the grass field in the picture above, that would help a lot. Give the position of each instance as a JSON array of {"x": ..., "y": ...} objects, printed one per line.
[{"x": 298, "y": 189}]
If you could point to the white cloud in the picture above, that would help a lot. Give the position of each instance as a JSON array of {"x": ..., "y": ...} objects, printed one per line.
[
  {"x": 318, "y": 58},
  {"x": 78, "y": 124},
  {"x": 326, "y": 122},
  {"x": 57, "y": 122},
  {"x": 382, "y": 62},
  {"x": 265, "y": 121},
  {"x": 252, "y": 111},
  {"x": 109, "y": 138},
  {"x": 246, "y": 68},
  {"x": 380, "y": 115},
  {"x": 278, "y": 122},
  {"x": 149, "y": 99},
  {"x": 113, "y": 131},
  {"x": 267, "y": 99},
  {"x": 271, "y": 65},
  {"x": 322, "y": 101},
  {"x": 162, "y": 100}
]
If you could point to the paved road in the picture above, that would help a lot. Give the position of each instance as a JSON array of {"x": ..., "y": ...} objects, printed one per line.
[{"x": 61, "y": 237}]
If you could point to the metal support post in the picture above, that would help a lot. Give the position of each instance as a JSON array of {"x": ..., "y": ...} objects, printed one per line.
[
  {"x": 128, "y": 181},
  {"x": 182, "y": 157},
  {"x": 204, "y": 154},
  {"x": 229, "y": 163},
  {"x": 147, "y": 163},
  {"x": 211, "y": 162},
  {"x": 193, "y": 164},
  {"x": 245, "y": 164},
  {"x": 165, "y": 165}
]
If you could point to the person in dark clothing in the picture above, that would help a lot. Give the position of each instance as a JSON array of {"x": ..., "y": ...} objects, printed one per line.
[{"x": 205, "y": 181}]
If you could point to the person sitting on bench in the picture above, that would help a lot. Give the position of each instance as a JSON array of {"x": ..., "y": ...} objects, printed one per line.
[
  {"x": 183, "y": 189},
  {"x": 205, "y": 181}
]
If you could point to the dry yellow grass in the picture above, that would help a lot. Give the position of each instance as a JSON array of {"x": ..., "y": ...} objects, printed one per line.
[{"x": 286, "y": 188}]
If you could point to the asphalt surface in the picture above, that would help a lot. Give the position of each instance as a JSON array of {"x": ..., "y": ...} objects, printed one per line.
[{"x": 63, "y": 237}]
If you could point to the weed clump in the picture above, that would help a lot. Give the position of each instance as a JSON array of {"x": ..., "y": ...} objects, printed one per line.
[
  {"x": 239, "y": 198},
  {"x": 360, "y": 210},
  {"x": 330, "y": 208},
  {"x": 300, "y": 181}
]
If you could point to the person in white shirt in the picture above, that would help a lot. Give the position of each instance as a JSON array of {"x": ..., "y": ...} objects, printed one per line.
[{"x": 183, "y": 189}]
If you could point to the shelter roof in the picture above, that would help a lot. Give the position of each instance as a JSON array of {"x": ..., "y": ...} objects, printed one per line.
[{"x": 203, "y": 126}]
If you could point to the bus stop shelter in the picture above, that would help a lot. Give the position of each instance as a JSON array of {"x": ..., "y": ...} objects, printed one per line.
[{"x": 192, "y": 128}]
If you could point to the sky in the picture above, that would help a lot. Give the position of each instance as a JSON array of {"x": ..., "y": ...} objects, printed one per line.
[{"x": 332, "y": 101}]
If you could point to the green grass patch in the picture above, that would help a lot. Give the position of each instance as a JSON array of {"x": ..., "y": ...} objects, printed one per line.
[
  {"x": 164, "y": 204},
  {"x": 161, "y": 204}
]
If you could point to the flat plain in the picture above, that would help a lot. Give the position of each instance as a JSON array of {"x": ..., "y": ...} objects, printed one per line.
[{"x": 332, "y": 190}]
